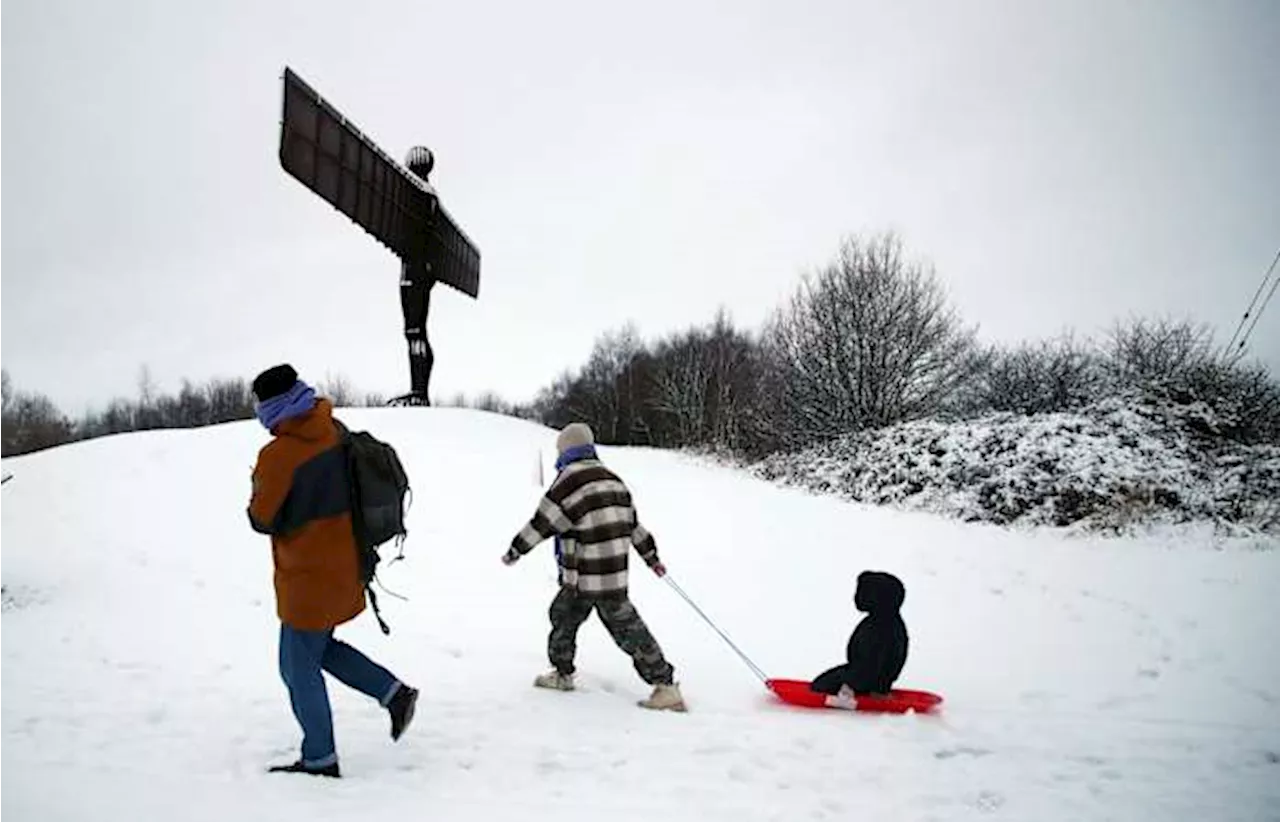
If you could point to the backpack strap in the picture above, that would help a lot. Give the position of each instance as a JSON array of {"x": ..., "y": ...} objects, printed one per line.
[{"x": 377, "y": 613}]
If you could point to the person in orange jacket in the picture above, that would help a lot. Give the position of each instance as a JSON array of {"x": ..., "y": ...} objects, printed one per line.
[{"x": 301, "y": 499}]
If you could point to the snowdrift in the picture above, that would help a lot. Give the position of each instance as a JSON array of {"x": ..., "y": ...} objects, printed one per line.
[
  {"x": 1115, "y": 466},
  {"x": 1084, "y": 679}
]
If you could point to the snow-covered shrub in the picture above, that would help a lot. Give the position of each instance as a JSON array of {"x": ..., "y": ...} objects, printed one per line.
[{"x": 1121, "y": 462}]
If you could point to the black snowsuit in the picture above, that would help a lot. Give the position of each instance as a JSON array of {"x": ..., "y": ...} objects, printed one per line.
[{"x": 878, "y": 648}]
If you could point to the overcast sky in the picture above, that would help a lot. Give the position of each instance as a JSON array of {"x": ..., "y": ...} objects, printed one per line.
[{"x": 1061, "y": 164}]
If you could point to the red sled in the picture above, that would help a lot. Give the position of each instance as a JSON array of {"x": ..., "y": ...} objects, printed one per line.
[{"x": 798, "y": 692}]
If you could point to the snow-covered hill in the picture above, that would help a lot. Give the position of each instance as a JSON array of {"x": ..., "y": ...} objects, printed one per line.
[
  {"x": 1115, "y": 466},
  {"x": 1085, "y": 679}
]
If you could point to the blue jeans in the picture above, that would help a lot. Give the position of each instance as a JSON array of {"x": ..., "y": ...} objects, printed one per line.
[{"x": 303, "y": 655}]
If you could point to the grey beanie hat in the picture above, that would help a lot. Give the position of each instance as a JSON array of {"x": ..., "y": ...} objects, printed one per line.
[{"x": 573, "y": 435}]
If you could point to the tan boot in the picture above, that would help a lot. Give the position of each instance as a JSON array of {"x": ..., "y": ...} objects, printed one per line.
[
  {"x": 554, "y": 680},
  {"x": 664, "y": 698}
]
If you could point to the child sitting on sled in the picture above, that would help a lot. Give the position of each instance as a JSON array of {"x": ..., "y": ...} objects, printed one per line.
[{"x": 878, "y": 647}]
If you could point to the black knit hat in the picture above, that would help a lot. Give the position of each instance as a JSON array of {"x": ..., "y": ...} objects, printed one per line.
[{"x": 274, "y": 381}]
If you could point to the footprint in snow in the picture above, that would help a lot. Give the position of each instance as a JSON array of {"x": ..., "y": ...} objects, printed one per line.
[
  {"x": 989, "y": 801},
  {"x": 1265, "y": 696},
  {"x": 1117, "y": 702},
  {"x": 712, "y": 750},
  {"x": 963, "y": 750},
  {"x": 1035, "y": 698}
]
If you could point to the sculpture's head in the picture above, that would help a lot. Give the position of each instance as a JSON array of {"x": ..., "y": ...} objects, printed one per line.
[{"x": 420, "y": 161}]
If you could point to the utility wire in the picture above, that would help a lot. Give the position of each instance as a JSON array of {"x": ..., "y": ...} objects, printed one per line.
[
  {"x": 1258, "y": 315},
  {"x": 1236, "y": 344}
]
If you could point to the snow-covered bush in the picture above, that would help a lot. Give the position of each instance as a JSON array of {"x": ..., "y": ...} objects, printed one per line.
[{"x": 1121, "y": 462}]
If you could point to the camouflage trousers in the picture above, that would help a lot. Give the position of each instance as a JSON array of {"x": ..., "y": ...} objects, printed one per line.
[{"x": 569, "y": 610}]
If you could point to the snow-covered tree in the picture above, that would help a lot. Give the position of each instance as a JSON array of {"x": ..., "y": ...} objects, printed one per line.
[{"x": 869, "y": 341}]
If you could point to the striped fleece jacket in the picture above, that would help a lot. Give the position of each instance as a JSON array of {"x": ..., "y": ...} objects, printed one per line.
[{"x": 590, "y": 509}]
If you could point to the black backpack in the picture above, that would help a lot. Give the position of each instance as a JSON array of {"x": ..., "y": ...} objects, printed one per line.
[{"x": 378, "y": 485}]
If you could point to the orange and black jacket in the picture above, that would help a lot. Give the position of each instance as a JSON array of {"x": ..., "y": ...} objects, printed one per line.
[{"x": 300, "y": 498}]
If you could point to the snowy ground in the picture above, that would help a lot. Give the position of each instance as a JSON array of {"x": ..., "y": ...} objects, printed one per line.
[{"x": 1084, "y": 679}]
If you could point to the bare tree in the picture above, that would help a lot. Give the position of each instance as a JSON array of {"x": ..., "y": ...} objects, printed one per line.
[
  {"x": 193, "y": 406},
  {"x": 1147, "y": 353},
  {"x": 868, "y": 342},
  {"x": 606, "y": 391},
  {"x": 681, "y": 381},
  {"x": 38, "y": 424},
  {"x": 702, "y": 384},
  {"x": 1035, "y": 378},
  {"x": 339, "y": 390},
  {"x": 146, "y": 411},
  {"x": 229, "y": 399},
  {"x": 30, "y": 421},
  {"x": 733, "y": 362}
]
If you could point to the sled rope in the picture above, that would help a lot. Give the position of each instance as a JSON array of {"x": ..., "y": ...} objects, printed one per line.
[{"x": 755, "y": 669}]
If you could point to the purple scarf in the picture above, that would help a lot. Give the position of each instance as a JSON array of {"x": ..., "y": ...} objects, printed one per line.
[{"x": 295, "y": 402}]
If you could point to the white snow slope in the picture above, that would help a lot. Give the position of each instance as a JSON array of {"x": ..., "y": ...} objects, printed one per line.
[{"x": 1084, "y": 679}]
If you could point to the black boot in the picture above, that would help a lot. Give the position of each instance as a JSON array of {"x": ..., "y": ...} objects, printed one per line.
[
  {"x": 299, "y": 767},
  {"x": 401, "y": 708}
]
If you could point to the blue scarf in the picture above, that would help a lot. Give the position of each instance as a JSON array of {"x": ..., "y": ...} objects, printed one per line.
[
  {"x": 295, "y": 402},
  {"x": 570, "y": 455},
  {"x": 577, "y": 452}
]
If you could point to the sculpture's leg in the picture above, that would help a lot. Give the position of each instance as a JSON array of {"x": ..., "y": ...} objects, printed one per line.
[{"x": 415, "y": 301}]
